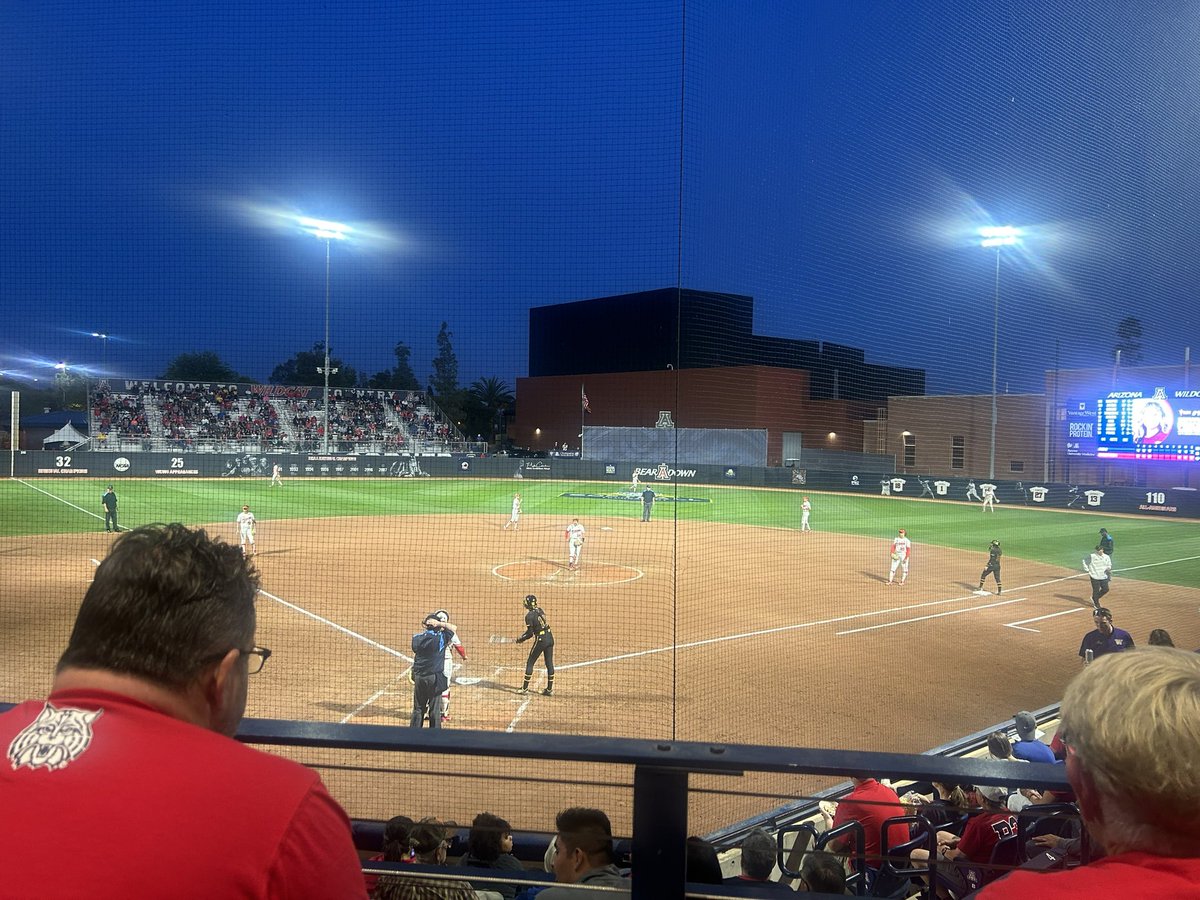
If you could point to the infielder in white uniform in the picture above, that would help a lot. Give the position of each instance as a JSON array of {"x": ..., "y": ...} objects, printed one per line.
[
  {"x": 454, "y": 645},
  {"x": 246, "y": 525},
  {"x": 633, "y": 485},
  {"x": 805, "y": 512},
  {"x": 989, "y": 497},
  {"x": 276, "y": 476},
  {"x": 901, "y": 550},
  {"x": 515, "y": 519},
  {"x": 574, "y": 535}
]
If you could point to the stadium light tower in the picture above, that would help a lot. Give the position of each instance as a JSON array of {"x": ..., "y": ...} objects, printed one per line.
[
  {"x": 104, "y": 339},
  {"x": 328, "y": 232},
  {"x": 999, "y": 237}
]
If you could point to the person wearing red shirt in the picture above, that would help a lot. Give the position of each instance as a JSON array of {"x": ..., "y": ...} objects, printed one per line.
[
  {"x": 134, "y": 747},
  {"x": 869, "y": 804},
  {"x": 1131, "y": 728}
]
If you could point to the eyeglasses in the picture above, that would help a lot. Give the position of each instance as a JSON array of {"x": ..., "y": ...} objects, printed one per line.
[{"x": 256, "y": 658}]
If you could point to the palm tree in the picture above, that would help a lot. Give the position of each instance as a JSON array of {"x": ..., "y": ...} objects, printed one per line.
[{"x": 492, "y": 398}]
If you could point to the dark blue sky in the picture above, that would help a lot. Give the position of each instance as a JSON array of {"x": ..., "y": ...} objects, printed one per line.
[{"x": 832, "y": 161}]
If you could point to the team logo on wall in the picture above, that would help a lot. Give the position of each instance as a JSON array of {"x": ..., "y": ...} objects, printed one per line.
[
  {"x": 121, "y": 464},
  {"x": 53, "y": 739},
  {"x": 799, "y": 476},
  {"x": 465, "y": 466},
  {"x": 731, "y": 473},
  {"x": 662, "y": 473},
  {"x": 854, "y": 481},
  {"x": 664, "y": 419}
]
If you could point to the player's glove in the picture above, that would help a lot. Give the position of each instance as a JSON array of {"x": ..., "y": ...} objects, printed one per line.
[{"x": 897, "y": 555}]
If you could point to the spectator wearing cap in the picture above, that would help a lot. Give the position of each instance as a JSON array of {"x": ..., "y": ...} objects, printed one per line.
[
  {"x": 428, "y": 670},
  {"x": 1028, "y": 745},
  {"x": 974, "y": 849},
  {"x": 1131, "y": 724},
  {"x": 1106, "y": 543},
  {"x": 1104, "y": 638}
]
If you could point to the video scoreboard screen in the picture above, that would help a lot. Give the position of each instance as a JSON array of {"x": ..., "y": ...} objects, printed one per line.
[{"x": 1157, "y": 424}]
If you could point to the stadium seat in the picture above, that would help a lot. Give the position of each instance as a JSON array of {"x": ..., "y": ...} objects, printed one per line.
[{"x": 894, "y": 877}]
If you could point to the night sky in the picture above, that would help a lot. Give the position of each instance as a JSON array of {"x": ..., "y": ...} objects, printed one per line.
[{"x": 830, "y": 159}]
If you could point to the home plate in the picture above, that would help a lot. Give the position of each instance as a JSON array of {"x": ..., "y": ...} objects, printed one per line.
[{"x": 465, "y": 680}]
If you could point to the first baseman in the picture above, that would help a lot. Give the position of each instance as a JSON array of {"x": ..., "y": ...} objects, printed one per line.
[
  {"x": 246, "y": 526},
  {"x": 901, "y": 551},
  {"x": 574, "y": 535}
]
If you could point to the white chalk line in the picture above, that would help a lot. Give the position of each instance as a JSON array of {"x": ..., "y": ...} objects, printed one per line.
[
  {"x": 950, "y": 612},
  {"x": 512, "y": 726},
  {"x": 59, "y": 499},
  {"x": 343, "y": 629},
  {"x": 1018, "y": 624},
  {"x": 375, "y": 696}
]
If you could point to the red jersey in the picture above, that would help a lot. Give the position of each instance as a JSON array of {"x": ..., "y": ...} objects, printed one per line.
[
  {"x": 869, "y": 804},
  {"x": 1124, "y": 875},
  {"x": 983, "y": 832},
  {"x": 104, "y": 796}
]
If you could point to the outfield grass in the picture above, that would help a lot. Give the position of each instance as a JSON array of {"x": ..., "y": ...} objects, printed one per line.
[{"x": 1057, "y": 537}]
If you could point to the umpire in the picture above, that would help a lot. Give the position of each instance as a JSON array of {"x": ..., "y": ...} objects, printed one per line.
[
  {"x": 647, "y": 503},
  {"x": 543, "y": 645},
  {"x": 993, "y": 566},
  {"x": 429, "y": 671}
]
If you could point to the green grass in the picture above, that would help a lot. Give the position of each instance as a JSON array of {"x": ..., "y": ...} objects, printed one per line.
[{"x": 1058, "y": 538}]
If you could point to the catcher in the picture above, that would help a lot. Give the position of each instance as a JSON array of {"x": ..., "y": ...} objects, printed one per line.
[
  {"x": 993, "y": 566},
  {"x": 575, "y": 537},
  {"x": 543, "y": 644},
  {"x": 901, "y": 550}
]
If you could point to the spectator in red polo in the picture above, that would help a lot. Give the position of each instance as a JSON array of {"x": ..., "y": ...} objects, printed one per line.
[{"x": 869, "y": 804}]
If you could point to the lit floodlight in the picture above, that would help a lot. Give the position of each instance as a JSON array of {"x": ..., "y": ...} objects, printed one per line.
[
  {"x": 325, "y": 230},
  {"x": 61, "y": 366},
  {"x": 999, "y": 236},
  {"x": 101, "y": 335}
]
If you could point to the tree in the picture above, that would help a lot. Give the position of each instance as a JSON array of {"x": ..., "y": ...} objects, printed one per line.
[
  {"x": 202, "y": 366},
  {"x": 1129, "y": 341},
  {"x": 302, "y": 368},
  {"x": 443, "y": 383},
  {"x": 487, "y": 399},
  {"x": 401, "y": 378}
]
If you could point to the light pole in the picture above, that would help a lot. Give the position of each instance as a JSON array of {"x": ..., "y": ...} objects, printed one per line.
[
  {"x": 327, "y": 232},
  {"x": 62, "y": 378},
  {"x": 104, "y": 338},
  {"x": 998, "y": 236}
]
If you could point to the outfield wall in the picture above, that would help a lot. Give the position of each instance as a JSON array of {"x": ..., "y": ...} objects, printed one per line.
[{"x": 1173, "y": 502}]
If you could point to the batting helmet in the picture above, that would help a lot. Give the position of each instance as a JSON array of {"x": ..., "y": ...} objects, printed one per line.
[
  {"x": 530, "y": 601},
  {"x": 442, "y": 616}
]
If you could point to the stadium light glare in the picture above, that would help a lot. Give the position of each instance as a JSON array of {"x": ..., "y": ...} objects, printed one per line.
[
  {"x": 327, "y": 231},
  {"x": 996, "y": 237},
  {"x": 103, "y": 338}
]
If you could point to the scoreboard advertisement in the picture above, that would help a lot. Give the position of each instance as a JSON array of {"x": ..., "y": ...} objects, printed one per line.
[{"x": 1159, "y": 424}]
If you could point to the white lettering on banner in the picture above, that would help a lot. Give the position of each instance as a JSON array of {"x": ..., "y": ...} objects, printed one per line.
[
  {"x": 664, "y": 473},
  {"x": 121, "y": 464}
]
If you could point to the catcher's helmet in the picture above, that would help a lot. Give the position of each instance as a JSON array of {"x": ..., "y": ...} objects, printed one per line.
[
  {"x": 442, "y": 616},
  {"x": 530, "y": 601}
]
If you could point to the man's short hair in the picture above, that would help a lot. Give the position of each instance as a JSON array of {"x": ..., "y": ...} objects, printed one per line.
[
  {"x": 587, "y": 829},
  {"x": 1133, "y": 722},
  {"x": 167, "y": 601},
  {"x": 758, "y": 855},
  {"x": 823, "y": 873},
  {"x": 1102, "y": 612}
]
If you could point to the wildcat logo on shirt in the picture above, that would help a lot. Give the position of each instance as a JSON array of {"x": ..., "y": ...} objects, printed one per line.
[{"x": 54, "y": 739}]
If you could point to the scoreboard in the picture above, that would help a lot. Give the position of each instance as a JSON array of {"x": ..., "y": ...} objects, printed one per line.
[{"x": 1160, "y": 424}]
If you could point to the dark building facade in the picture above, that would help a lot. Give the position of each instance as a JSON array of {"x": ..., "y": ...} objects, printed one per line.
[{"x": 688, "y": 329}]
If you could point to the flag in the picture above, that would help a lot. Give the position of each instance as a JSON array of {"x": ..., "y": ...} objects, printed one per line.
[{"x": 584, "y": 399}]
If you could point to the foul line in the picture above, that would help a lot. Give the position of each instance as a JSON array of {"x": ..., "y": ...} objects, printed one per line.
[
  {"x": 1017, "y": 625},
  {"x": 59, "y": 499},
  {"x": 951, "y": 612},
  {"x": 512, "y": 726},
  {"x": 335, "y": 625},
  {"x": 375, "y": 696}
]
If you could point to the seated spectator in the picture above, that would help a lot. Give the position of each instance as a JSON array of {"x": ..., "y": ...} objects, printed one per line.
[
  {"x": 430, "y": 841},
  {"x": 1029, "y": 747},
  {"x": 397, "y": 846},
  {"x": 489, "y": 846},
  {"x": 1104, "y": 638},
  {"x": 758, "y": 862},
  {"x": 1131, "y": 724},
  {"x": 944, "y": 807},
  {"x": 135, "y": 743},
  {"x": 822, "y": 873},
  {"x": 703, "y": 866},
  {"x": 869, "y": 804},
  {"x": 583, "y": 855},
  {"x": 974, "y": 849},
  {"x": 1160, "y": 638}
]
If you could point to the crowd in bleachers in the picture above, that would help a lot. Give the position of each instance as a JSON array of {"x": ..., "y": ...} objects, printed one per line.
[{"x": 226, "y": 417}]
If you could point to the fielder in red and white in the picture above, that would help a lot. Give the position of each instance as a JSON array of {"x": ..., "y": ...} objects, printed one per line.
[
  {"x": 901, "y": 551},
  {"x": 575, "y": 535},
  {"x": 454, "y": 645},
  {"x": 247, "y": 525}
]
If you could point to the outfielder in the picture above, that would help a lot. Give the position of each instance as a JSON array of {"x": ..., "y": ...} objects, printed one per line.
[
  {"x": 515, "y": 518},
  {"x": 993, "y": 566},
  {"x": 805, "y": 512},
  {"x": 453, "y": 645},
  {"x": 543, "y": 645},
  {"x": 633, "y": 485},
  {"x": 575, "y": 536},
  {"x": 246, "y": 526},
  {"x": 901, "y": 551},
  {"x": 972, "y": 491},
  {"x": 276, "y": 476},
  {"x": 989, "y": 498}
]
